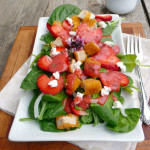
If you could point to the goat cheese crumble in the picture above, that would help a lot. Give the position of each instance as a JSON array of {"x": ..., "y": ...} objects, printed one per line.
[
  {"x": 92, "y": 16},
  {"x": 109, "y": 43},
  {"x": 76, "y": 65},
  {"x": 122, "y": 66},
  {"x": 70, "y": 21},
  {"x": 54, "y": 52},
  {"x": 53, "y": 83},
  {"x": 105, "y": 90},
  {"x": 79, "y": 95},
  {"x": 72, "y": 33},
  {"x": 117, "y": 104},
  {"x": 56, "y": 75},
  {"x": 102, "y": 24}
]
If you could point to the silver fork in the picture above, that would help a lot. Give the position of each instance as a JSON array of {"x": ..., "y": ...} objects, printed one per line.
[{"x": 134, "y": 47}]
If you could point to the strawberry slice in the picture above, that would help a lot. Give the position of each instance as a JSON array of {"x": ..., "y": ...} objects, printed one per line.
[
  {"x": 42, "y": 83},
  {"x": 106, "y": 56},
  {"x": 67, "y": 102},
  {"x": 89, "y": 35},
  {"x": 80, "y": 74},
  {"x": 67, "y": 26},
  {"x": 116, "y": 49},
  {"x": 48, "y": 26},
  {"x": 44, "y": 62},
  {"x": 103, "y": 18},
  {"x": 58, "y": 31},
  {"x": 114, "y": 80},
  {"x": 92, "y": 67}
]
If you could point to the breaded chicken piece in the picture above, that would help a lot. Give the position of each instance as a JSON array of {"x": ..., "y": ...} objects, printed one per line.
[{"x": 67, "y": 121}]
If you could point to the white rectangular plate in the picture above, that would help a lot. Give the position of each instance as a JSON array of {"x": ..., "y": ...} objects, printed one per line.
[{"x": 30, "y": 130}]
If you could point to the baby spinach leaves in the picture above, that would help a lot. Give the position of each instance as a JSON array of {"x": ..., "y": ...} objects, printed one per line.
[
  {"x": 126, "y": 124},
  {"x": 106, "y": 39},
  {"x": 47, "y": 38},
  {"x": 62, "y": 12},
  {"x": 102, "y": 70},
  {"x": 87, "y": 119},
  {"x": 128, "y": 60},
  {"x": 30, "y": 81}
]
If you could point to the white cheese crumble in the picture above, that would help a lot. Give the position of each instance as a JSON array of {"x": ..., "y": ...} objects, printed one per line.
[
  {"x": 76, "y": 65},
  {"x": 122, "y": 66},
  {"x": 69, "y": 40},
  {"x": 53, "y": 83},
  {"x": 109, "y": 43},
  {"x": 72, "y": 33},
  {"x": 56, "y": 75},
  {"x": 92, "y": 16},
  {"x": 70, "y": 21},
  {"x": 105, "y": 90},
  {"x": 54, "y": 52},
  {"x": 82, "y": 14},
  {"x": 102, "y": 24},
  {"x": 117, "y": 104},
  {"x": 79, "y": 95}
]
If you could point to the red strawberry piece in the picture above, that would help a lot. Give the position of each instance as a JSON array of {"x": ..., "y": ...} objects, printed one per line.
[
  {"x": 85, "y": 102},
  {"x": 48, "y": 26},
  {"x": 100, "y": 100},
  {"x": 103, "y": 18},
  {"x": 67, "y": 26},
  {"x": 44, "y": 62},
  {"x": 42, "y": 83},
  {"x": 92, "y": 67},
  {"x": 116, "y": 49},
  {"x": 67, "y": 102},
  {"x": 89, "y": 35},
  {"x": 80, "y": 74},
  {"x": 114, "y": 98},
  {"x": 58, "y": 31},
  {"x": 110, "y": 81},
  {"x": 77, "y": 112},
  {"x": 77, "y": 100},
  {"x": 106, "y": 56},
  {"x": 107, "y": 36},
  {"x": 124, "y": 79}
]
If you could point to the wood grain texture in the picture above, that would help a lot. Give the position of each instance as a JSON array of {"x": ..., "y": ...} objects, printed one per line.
[
  {"x": 16, "y": 13},
  {"x": 24, "y": 45}
]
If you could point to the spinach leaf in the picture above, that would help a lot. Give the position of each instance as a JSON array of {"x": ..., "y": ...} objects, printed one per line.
[
  {"x": 57, "y": 109},
  {"x": 127, "y": 124},
  {"x": 119, "y": 97},
  {"x": 106, "y": 112},
  {"x": 108, "y": 30},
  {"x": 30, "y": 81},
  {"x": 95, "y": 118},
  {"x": 95, "y": 95},
  {"x": 102, "y": 70},
  {"x": 31, "y": 105},
  {"x": 56, "y": 98},
  {"x": 87, "y": 119},
  {"x": 106, "y": 39},
  {"x": 128, "y": 60},
  {"x": 76, "y": 107},
  {"x": 62, "y": 12},
  {"x": 47, "y": 38}
]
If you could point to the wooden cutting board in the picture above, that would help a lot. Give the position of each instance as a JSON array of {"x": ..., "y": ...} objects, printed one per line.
[{"x": 21, "y": 50}]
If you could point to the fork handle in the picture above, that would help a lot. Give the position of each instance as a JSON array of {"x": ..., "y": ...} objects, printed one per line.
[{"x": 145, "y": 111}]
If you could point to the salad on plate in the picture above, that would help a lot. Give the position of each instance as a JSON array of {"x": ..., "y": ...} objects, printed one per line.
[{"x": 78, "y": 77}]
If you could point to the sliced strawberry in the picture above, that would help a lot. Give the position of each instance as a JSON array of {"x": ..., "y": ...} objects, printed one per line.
[
  {"x": 58, "y": 31},
  {"x": 116, "y": 49},
  {"x": 107, "y": 36},
  {"x": 89, "y": 35},
  {"x": 92, "y": 67},
  {"x": 110, "y": 81},
  {"x": 85, "y": 102},
  {"x": 106, "y": 56},
  {"x": 103, "y": 18},
  {"x": 114, "y": 80},
  {"x": 42, "y": 83},
  {"x": 44, "y": 62},
  {"x": 48, "y": 26},
  {"x": 67, "y": 26},
  {"x": 67, "y": 102},
  {"x": 80, "y": 74},
  {"x": 77, "y": 112},
  {"x": 114, "y": 98}
]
